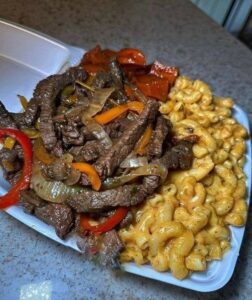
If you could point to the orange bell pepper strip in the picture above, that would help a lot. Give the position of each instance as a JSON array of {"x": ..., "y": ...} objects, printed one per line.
[
  {"x": 131, "y": 56},
  {"x": 109, "y": 224},
  {"x": 115, "y": 112},
  {"x": 40, "y": 152},
  {"x": 91, "y": 173},
  {"x": 144, "y": 141},
  {"x": 152, "y": 86}
]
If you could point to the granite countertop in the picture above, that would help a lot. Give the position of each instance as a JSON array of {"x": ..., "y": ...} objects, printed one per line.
[{"x": 174, "y": 32}]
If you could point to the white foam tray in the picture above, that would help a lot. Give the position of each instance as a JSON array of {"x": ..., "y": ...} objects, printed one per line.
[{"x": 38, "y": 56}]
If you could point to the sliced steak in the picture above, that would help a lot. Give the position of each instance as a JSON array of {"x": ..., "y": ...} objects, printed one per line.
[
  {"x": 31, "y": 111},
  {"x": 155, "y": 147},
  {"x": 10, "y": 161},
  {"x": 110, "y": 248},
  {"x": 71, "y": 135},
  {"x": 8, "y": 154},
  {"x": 91, "y": 151},
  {"x": 179, "y": 156},
  {"x": 108, "y": 162},
  {"x": 126, "y": 195},
  {"x": 116, "y": 73},
  {"x": 89, "y": 245},
  {"x": 19, "y": 120},
  {"x": 101, "y": 80},
  {"x": 116, "y": 128},
  {"x": 12, "y": 178},
  {"x": 6, "y": 119},
  {"x": 45, "y": 93},
  {"x": 29, "y": 200},
  {"x": 88, "y": 136},
  {"x": 60, "y": 216},
  {"x": 58, "y": 170},
  {"x": 117, "y": 76},
  {"x": 128, "y": 219},
  {"x": 105, "y": 248}
]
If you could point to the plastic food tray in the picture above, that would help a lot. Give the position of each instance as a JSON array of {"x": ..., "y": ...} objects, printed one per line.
[{"x": 38, "y": 56}]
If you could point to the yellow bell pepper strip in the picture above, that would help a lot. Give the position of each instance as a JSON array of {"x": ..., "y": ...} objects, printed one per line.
[
  {"x": 115, "y": 112},
  {"x": 23, "y": 182},
  {"x": 9, "y": 142},
  {"x": 109, "y": 224},
  {"x": 31, "y": 133},
  {"x": 91, "y": 173},
  {"x": 144, "y": 141},
  {"x": 40, "y": 152},
  {"x": 23, "y": 101}
]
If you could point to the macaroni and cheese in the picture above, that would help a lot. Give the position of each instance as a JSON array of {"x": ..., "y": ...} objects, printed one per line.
[{"x": 186, "y": 223}]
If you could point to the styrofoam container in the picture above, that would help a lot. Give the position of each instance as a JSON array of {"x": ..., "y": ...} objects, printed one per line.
[{"x": 38, "y": 56}]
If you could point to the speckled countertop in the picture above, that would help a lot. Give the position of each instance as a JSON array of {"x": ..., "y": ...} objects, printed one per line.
[{"x": 174, "y": 32}]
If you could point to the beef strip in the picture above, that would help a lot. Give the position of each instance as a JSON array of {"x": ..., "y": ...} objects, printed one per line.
[
  {"x": 116, "y": 73},
  {"x": 61, "y": 170},
  {"x": 8, "y": 154},
  {"x": 57, "y": 149},
  {"x": 91, "y": 151},
  {"x": 30, "y": 200},
  {"x": 10, "y": 162},
  {"x": 19, "y": 120},
  {"x": 12, "y": 178},
  {"x": 127, "y": 220},
  {"x": 58, "y": 170},
  {"x": 6, "y": 119},
  {"x": 89, "y": 245},
  {"x": 101, "y": 80},
  {"x": 110, "y": 248},
  {"x": 31, "y": 111},
  {"x": 71, "y": 134},
  {"x": 117, "y": 76},
  {"x": 45, "y": 93},
  {"x": 116, "y": 128},
  {"x": 162, "y": 129},
  {"x": 126, "y": 195},
  {"x": 179, "y": 156},
  {"x": 60, "y": 216},
  {"x": 89, "y": 136},
  {"x": 108, "y": 162},
  {"x": 105, "y": 248}
]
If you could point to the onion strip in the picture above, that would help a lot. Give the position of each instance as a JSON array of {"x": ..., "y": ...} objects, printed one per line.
[
  {"x": 147, "y": 170},
  {"x": 52, "y": 191}
]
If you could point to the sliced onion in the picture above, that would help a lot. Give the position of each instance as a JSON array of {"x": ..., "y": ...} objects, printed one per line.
[
  {"x": 134, "y": 162},
  {"x": 98, "y": 131},
  {"x": 147, "y": 170},
  {"x": 52, "y": 191},
  {"x": 97, "y": 102}
]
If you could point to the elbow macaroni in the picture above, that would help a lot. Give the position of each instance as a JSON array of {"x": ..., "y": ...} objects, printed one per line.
[{"x": 185, "y": 224}]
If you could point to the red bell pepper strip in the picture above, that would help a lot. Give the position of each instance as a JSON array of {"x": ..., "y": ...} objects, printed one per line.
[
  {"x": 162, "y": 71},
  {"x": 23, "y": 182},
  {"x": 97, "y": 60},
  {"x": 109, "y": 224},
  {"x": 131, "y": 56},
  {"x": 153, "y": 86}
]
